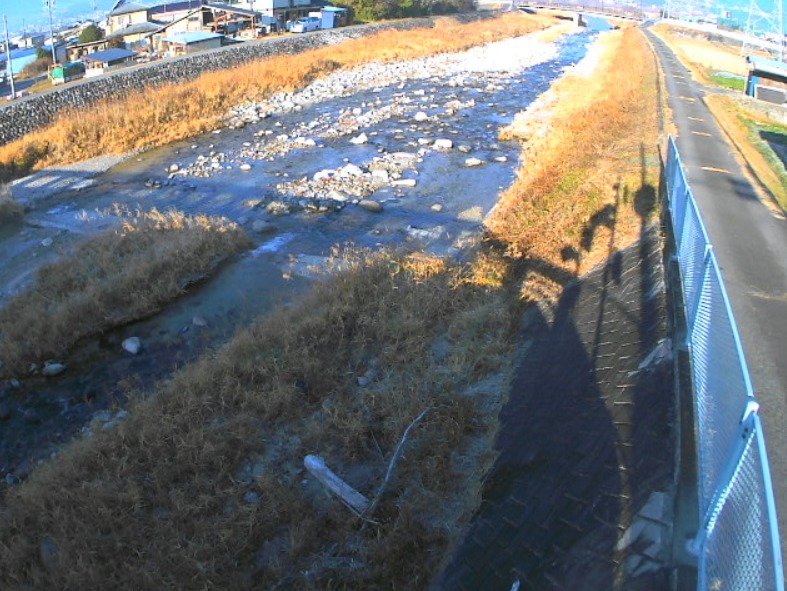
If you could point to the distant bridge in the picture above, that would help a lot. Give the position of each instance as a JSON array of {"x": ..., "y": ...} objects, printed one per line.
[{"x": 594, "y": 9}]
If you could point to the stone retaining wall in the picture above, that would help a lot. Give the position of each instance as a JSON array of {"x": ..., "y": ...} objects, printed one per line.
[{"x": 24, "y": 115}]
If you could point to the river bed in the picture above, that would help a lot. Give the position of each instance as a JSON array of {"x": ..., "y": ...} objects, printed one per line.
[{"x": 385, "y": 156}]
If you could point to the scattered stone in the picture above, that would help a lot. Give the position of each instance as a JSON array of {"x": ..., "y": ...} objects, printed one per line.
[
  {"x": 132, "y": 344},
  {"x": 473, "y": 162},
  {"x": 381, "y": 176},
  {"x": 350, "y": 170},
  {"x": 443, "y": 144},
  {"x": 361, "y": 139},
  {"x": 465, "y": 149},
  {"x": 47, "y": 242},
  {"x": 370, "y": 205},
  {"x": 438, "y": 207},
  {"x": 263, "y": 227},
  {"x": 5, "y": 411},
  {"x": 53, "y": 368},
  {"x": 420, "y": 117},
  {"x": 501, "y": 158},
  {"x": 199, "y": 321},
  {"x": 245, "y": 166},
  {"x": 403, "y": 183},
  {"x": 277, "y": 208},
  {"x": 173, "y": 168}
]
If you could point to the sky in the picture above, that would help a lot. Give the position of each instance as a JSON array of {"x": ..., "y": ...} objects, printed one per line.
[{"x": 33, "y": 12}]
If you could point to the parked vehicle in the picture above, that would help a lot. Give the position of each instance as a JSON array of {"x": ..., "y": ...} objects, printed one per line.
[
  {"x": 307, "y": 23},
  {"x": 62, "y": 73}
]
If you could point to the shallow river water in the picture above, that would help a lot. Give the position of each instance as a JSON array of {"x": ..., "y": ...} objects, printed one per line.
[{"x": 401, "y": 120}]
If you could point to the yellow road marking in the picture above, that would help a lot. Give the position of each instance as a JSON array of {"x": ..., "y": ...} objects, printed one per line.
[
  {"x": 702, "y": 133},
  {"x": 714, "y": 169},
  {"x": 767, "y": 296}
]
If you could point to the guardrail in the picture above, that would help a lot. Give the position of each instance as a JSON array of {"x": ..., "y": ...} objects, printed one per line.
[{"x": 738, "y": 541}]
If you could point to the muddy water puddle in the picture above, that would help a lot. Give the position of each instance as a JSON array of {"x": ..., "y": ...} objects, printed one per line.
[{"x": 435, "y": 199}]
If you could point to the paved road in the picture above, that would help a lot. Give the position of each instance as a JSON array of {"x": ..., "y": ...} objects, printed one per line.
[{"x": 750, "y": 242}]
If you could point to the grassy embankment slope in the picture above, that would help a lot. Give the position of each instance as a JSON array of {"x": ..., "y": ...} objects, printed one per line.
[
  {"x": 202, "y": 486},
  {"x": 157, "y": 116},
  {"x": 745, "y": 125}
]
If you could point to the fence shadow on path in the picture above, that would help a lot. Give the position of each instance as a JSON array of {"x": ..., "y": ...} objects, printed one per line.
[{"x": 586, "y": 435}]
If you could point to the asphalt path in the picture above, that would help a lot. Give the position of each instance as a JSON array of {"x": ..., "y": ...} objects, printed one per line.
[{"x": 749, "y": 237}]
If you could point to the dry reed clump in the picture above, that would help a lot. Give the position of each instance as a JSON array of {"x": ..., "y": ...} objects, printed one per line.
[
  {"x": 111, "y": 279},
  {"x": 203, "y": 487},
  {"x": 10, "y": 209},
  {"x": 586, "y": 183},
  {"x": 157, "y": 116}
]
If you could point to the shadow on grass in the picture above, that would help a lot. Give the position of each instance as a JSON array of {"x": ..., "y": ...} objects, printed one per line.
[{"x": 584, "y": 438}]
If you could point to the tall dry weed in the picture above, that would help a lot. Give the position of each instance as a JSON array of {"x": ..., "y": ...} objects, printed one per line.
[
  {"x": 586, "y": 163},
  {"x": 10, "y": 209},
  {"x": 109, "y": 280}
]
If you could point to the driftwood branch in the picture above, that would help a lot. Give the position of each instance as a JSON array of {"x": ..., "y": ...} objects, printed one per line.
[
  {"x": 357, "y": 502},
  {"x": 392, "y": 463},
  {"x": 349, "y": 496}
]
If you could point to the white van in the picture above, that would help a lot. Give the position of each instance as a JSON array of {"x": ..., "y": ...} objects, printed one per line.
[{"x": 307, "y": 23}]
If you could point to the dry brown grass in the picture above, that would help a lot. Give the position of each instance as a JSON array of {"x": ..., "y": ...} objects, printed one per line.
[
  {"x": 162, "y": 500},
  {"x": 157, "y": 116},
  {"x": 159, "y": 501},
  {"x": 10, "y": 210},
  {"x": 109, "y": 280},
  {"x": 591, "y": 169}
]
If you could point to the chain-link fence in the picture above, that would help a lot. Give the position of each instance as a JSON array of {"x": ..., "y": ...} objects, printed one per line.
[{"x": 738, "y": 541}]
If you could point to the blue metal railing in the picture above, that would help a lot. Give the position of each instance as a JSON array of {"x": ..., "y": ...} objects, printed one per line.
[{"x": 738, "y": 541}]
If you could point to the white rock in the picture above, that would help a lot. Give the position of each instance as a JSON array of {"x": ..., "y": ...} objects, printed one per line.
[
  {"x": 173, "y": 168},
  {"x": 370, "y": 205},
  {"x": 381, "y": 176},
  {"x": 245, "y": 166},
  {"x": 46, "y": 242},
  {"x": 464, "y": 148},
  {"x": 323, "y": 174},
  {"x": 53, "y": 368},
  {"x": 262, "y": 227},
  {"x": 337, "y": 196},
  {"x": 501, "y": 159},
  {"x": 438, "y": 207},
  {"x": 350, "y": 170},
  {"x": 420, "y": 117},
  {"x": 473, "y": 162},
  {"x": 361, "y": 139},
  {"x": 404, "y": 183},
  {"x": 132, "y": 344},
  {"x": 199, "y": 321},
  {"x": 443, "y": 144}
]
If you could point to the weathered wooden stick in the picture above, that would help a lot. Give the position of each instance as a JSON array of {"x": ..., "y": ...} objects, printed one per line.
[
  {"x": 392, "y": 463},
  {"x": 351, "y": 497}
]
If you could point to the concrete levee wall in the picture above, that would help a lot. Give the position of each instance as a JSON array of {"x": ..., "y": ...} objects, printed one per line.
[{"x": 25, "y": 115}]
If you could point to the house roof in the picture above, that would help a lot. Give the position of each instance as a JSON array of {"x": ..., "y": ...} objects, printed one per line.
[
  {"x": 109, "y": 55},
  {"x": 333, "y": 9},
  {"x": 191, "y": 37},
  {"x": 233, "y": 9},
  {"x": 128, "y": 7},
  {"x": 138, "y": 29},
  {"x": 773, "y": 67}
]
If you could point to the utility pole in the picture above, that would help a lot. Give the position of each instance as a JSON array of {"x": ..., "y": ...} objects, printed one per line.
[
  {"x": 48, "y": 5},
  {"x": 763, "y": 18},
  {"x": 8, "y": 56}
]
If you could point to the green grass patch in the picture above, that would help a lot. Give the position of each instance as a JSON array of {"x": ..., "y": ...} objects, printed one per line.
[{"x": 725, "y": 80}]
